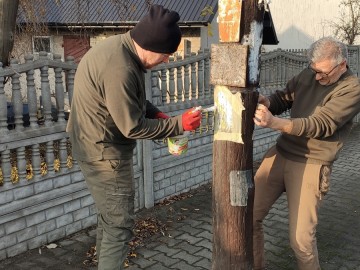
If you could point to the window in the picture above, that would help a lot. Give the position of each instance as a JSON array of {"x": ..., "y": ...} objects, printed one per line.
[{"x": 42, "y": 43}]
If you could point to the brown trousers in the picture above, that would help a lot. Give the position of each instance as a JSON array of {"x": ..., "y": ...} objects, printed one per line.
[{"x": 301, "y": 182}]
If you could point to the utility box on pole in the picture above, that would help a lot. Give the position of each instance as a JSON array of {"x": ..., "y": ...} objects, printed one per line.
[{"x": 235, "y": 69}]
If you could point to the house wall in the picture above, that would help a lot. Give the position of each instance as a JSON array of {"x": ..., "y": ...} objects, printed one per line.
[
  {"x": 300, "y": 23},
  {"x": 191, "y": 34},
  {"x": 210, "y": 34}
]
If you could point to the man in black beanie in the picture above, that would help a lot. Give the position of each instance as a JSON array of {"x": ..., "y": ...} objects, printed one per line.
[
  {"x": 109, "y": 111},
  {"x": 162, "y": 32}
]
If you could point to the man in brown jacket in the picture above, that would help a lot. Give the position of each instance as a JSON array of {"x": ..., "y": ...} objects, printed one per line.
[
  {"x": 323, "y": 98},
  {"x": 109, "y": 111}
]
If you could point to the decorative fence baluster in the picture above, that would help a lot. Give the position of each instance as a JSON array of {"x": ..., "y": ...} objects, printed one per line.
[
  {"x": 45, "y": 91},
  {"x": 31, "y": 93},
  {"x": 14, "y": 175},
  {"x": 207, "y": 92},
  {"x": 16, "y": 98},
  {"x": 59, "y": 91},
  {"x": 70, "y": 75},
  {"x": 278, "y": 70},
  {"x": 73, "y": 161},
  {"x": 63, "y": 154},
  {"x": 172, "y": 85},
  {"x": 153, "y": 93},
  {"x": 200, "y": 77},
  {"x": 49, "y": 156},
  {"x": 21, "y": 162},
  {"x": 287, "y": 69},
  {"x": 179, "y": 82},
  {"x": 262, "y": 74},
  {"x": 186, "y": 80},
  {"x": 268, "y": 72},
  {"x": 6, "y": 165},
  {"x": 3, "y": 105},
  {"x": 36, "y": 160},
  {"x": 193, "y": 78},
  {"x": 164, "y": 89}
]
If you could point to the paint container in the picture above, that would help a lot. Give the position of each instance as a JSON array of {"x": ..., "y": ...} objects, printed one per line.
[{"x": 178, "y": 145}]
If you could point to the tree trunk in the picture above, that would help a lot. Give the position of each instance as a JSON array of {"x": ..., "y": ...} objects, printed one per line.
[{"x": 8, "y": 12}]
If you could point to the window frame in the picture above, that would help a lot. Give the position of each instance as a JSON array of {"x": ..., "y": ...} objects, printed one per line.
[{"x": 35, "y": 51}]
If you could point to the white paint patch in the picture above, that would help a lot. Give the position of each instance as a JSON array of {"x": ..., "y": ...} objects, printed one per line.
[
  {"x": 254, "y": 40},
  {"x": 227, "y": 110},
  {"x": 228, "y": 115}
]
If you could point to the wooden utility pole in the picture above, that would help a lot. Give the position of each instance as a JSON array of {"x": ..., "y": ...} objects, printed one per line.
[
  {"x": 8, "y": 11},
  {"x": 235, "y": 69}
]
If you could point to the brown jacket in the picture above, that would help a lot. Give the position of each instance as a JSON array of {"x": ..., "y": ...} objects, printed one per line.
[{"x": 321, "y": 115}]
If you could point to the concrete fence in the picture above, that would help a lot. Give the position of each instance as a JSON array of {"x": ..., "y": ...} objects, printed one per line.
[{"x": 43, "y": 196}]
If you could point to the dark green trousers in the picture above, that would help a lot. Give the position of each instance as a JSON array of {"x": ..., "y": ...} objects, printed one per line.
[{"x": 111, "y": 184}]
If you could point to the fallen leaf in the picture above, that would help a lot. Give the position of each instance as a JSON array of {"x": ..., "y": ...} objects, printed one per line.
[{"x": 50, "y": 246}]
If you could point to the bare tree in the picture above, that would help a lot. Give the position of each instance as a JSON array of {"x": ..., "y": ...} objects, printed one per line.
[
  {"x": 347, "y": 27},
  {"x": 8, "y": 10}
]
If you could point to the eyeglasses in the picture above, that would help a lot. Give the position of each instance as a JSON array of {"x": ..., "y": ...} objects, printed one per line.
[{"x": 322, "y": 74}]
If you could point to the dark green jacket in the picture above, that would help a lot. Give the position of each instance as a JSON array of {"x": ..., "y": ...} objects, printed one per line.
[{"x": 109, "y": 104}]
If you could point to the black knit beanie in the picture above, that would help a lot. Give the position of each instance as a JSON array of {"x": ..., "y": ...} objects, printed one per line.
[{"x": 158, "y": 31}]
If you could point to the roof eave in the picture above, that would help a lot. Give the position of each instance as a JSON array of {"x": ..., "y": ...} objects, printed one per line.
[{"x": 113, "y": 24}]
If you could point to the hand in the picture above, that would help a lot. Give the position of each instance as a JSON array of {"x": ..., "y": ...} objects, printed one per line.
[
  {"x": 191, "y": 119},
  {"x": 263, "y": 116},
  {"x": 161, "y": 115},
  {"x": 264, "y": 101}
]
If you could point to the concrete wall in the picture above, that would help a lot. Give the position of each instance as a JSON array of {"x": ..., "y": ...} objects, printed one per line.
[
  {"x": 43, "y": 210},
  {"x": 300, "y": 23}
]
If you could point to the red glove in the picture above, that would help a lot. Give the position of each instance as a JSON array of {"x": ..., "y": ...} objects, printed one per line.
[
  {"x": 191, "y": 119},
  {"x": 161, "y": 115}
]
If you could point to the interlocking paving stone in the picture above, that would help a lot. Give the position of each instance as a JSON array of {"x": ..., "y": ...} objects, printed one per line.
[{"x": 185, "y": 256}]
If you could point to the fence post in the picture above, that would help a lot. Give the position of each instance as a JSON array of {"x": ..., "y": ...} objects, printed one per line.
[
  {"x": 31, "y": 93},
  {"x": 147, "y": 157},
  {"x": 16, "y": 97},
  {"x": 45, "y": 90},
  {"x": 70, "y": 75},
  {"x": 59, "y": 91},
  {"x": 3, "y": 105},
  {"x": 358, "y": 61}
]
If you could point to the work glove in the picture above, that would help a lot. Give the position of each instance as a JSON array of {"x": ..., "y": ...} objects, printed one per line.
[
  {"x": 161, "y": 115},
  {"x": 191, "y": 119}
]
